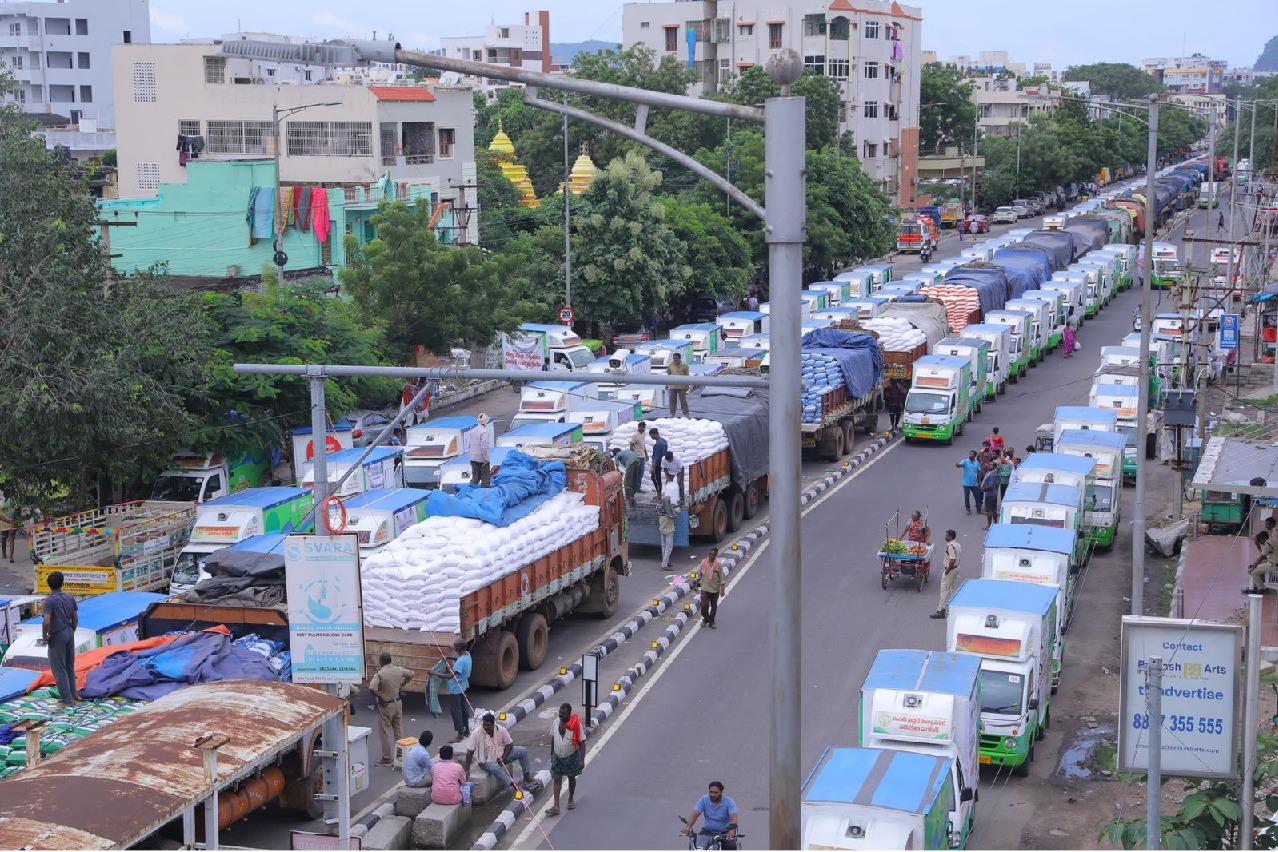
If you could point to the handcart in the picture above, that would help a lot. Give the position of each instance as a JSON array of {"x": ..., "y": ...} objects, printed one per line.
[{"x": 904, "y": 555}]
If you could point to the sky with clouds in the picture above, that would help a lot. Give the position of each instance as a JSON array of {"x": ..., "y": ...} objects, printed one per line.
[{"x": 1062, "y": 33}]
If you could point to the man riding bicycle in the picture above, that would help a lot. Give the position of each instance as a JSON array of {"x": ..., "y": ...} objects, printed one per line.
[{"x": 719, "y": 812}]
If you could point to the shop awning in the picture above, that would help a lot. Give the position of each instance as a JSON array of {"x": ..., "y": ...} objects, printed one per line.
[{"x": 1238, "y": 466}]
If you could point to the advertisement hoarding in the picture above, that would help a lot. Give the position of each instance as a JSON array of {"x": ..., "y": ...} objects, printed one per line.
[{"x": 325, "y": 610}]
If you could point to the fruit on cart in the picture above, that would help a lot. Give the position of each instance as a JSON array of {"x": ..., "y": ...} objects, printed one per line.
[{"x": 894, "y": 545}]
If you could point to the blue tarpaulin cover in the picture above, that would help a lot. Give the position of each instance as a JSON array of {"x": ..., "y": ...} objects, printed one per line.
[
  {"x": 857, "y": 354},
  {"x": 522, "y": 484},
  {"x": 1092, "y": 232},
  {"x": 989, "y": 282},
  {"x": 203, "y": 657},
  {"x": 1031, "y": 259},
  {"x": 1061, "y": 247}
]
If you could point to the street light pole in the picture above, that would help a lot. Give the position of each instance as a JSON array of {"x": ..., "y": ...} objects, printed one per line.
[
  {"x": 1142, "y": 398},
  {"x": 567, "y": 219},
  {"x": 280, "y": 216}
]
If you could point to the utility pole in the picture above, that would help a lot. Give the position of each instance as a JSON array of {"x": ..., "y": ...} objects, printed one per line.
[
  {"x": 1246, "y": 823},
  {"x": 1154, "y": 770},
  {"x": 567, "y": 217},
  {"x": 280, "y": 216},
  {"x": 1142, "y": 398}
]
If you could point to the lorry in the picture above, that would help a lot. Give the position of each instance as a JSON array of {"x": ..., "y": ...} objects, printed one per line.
[
  {"x": 337, "y": 437},
  {"x": 1072, "y": 294},
  {"x": 929, "y": 702},
  {"x": 1209, "y": 194},
  {"x": 977, "y": 352},
  {"x": 198, "y": 477},
  {"x": 1057, "y": 315},
  {"x": 706, "y": 338},
  {"x": 917, "y": 235},
  {"x": 937, "y": 405},
  {"x": 1102, "y": 507},
  {"x": 661, "y": 350},
  {"x": 951, "y": 214},
  {"x": 381, "y": 515},
  {"x": 1024, "y": 553},
  {"x": 227, "y": 520},
  {"x": 1012, "y": 627},
  {"x": 837, "y": 292},
  {"x": 552, "y": 402},
  {"x": 999, "y": 338},
  {"x": 601, "y": 419},
  {"x": 1023, "y": 348},
  {"x": 860, "y": 282},
  {"x": 1075, "y": 471},
  {"x": 832, "y": 412},
  {"x": 559, "y": 343},
  {"x": 871, "y": 798},
  {"x": 1049, "y": 505},
  {"x": 1043, "y": 315},
  {"x": 107, "y": 619},
  {"x": 381, "y": 467},
  {"x": 429, "y": 446},
  {"x": 125, "y": 547}
]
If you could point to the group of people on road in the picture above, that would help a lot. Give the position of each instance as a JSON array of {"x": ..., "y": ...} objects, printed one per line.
[{"x": 986, "y": 475}]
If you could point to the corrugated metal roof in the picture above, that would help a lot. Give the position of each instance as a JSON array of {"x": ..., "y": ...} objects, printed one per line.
[
  {"x": 1233, "y": 464},
  {"x": 401, "y": 93},
  {"x": 115, "y": 787}
]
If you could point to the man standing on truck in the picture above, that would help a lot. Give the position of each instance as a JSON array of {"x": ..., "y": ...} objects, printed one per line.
[
  {"x": 678, "y": 393},
  {"x": 638, "y": 446},
  {"x": 626, "y": 462},
  {"x": 61, "y": 618},
  {"x": 949, "y": 577},
  {"x": 386, "y": 685},
  {"x": 659, "y": 447},
  {"x": 480, "y": 470},
  {"x": 710, "y": 576}
]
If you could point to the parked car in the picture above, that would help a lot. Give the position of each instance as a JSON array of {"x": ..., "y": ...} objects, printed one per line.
[
  {"x": 1022, "y": 210},
  {"x": 1004, "y": 215},
  {"x": 367, "y": 425},
  {"x": 976, "y": 224},
  {"x": 629, "y": 332}
]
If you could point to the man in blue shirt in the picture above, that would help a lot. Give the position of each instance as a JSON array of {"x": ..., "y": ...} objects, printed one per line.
[
  {"x": 459, "y": 703},
  {"x": 659, "y": 447},
  {"x": 971, "y": 467},
  {"x": 719, "y": 811},
  {"x": 417, "y": 763},
  {"x": 61, "y": 618}
]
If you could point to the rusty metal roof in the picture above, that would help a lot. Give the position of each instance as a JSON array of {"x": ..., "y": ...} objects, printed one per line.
[
  {"x": 115, "y": 787},
  {"x": 1238, "y": 466}
]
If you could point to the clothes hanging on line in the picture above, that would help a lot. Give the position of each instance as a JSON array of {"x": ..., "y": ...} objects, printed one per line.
[
  {"x": 284, "y": 209},
  {"x": 189, "y": 147},
  {"x": 319, "y": 213},
  {"x": 262, "y": 212},
  {"x": 301, "y": 198}
]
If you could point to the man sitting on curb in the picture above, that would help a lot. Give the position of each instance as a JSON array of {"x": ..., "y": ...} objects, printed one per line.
[
  {"x": 496, "y": 750},
  {"x": 417, "y": 762},
  {"x": 449, "y": 778}
]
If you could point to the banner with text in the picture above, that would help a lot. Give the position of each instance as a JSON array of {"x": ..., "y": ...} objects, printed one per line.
[
  {"x": 523, "y": 351},
  {"x": 325, "y": 610}
]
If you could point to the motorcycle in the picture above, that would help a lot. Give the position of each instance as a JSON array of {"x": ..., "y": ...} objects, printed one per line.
[
  {"x": 925, "y": 255},
  {"x": 712, "y": 840}
]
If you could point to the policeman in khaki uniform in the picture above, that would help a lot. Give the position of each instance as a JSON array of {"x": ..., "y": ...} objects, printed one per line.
[
  {"x": 386, "y": 686},
  {"x": 949, "y": 577}
]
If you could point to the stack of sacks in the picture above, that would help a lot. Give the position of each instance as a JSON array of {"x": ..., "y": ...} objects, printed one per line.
[
  {"x": 959, "y": 303},
  {"x": 821, "y": 374},
  {"x": 690, "y": 439},
  {"x": 419, "y": 579},
  {"x": 895, "y": 334}
]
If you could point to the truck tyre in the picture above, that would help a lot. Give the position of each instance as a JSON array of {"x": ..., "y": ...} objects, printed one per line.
[
  {"x": 750, "y": 502},
  {"x": 1022, "y": 771},
  {"x": 736, "y": 510},
  {"x": 718, "y": 521},
  {"x": 533, "y": 635},
  {"x": 1013, "y": 378},
  {"x": 849, "y": 437},
  {"x": 498, "y": 668},
  {"x": 605, "y": 592},
  {"x": 834, "y": 444}
]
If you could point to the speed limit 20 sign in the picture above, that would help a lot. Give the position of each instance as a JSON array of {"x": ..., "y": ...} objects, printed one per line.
[{"x": 565, "y": 315}]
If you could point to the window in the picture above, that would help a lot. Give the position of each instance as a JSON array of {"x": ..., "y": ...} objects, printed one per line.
[
  {"x": 774, "y": 36},
  {"x": 814, "y": 25},
  {"x": 270, "y": 72},
  {"x": 871, "y": 150},
  {"x": 58, "y": 59},
  {"x": 329, "y": 139},
  {"x": 672, "y": 38},
  {"x": 306, "y": 75},
  {"x": 839, "y": 29},
  {"x": 144, "y": 82},
  {"x": 871, "y": 29},
  {"x": 81, "y": 26},
  {"x": 22, "y": 96},
  {"x": 148, "y": 176},
  {"x": 127, "y": 37},
  {"x": 62, "y": 94},
  {"x": 237, "y": 137},
  {"x": 871, "y": 110},
  {"x": 82, "y": 59},
  {"x": 15, "y": 62},
  {"x": 215, "y": 69},
  {"x": 871, "y": 70},
  {"x": 15, "y": 29},
  {"x": 188, "y": 127},
  {"x": 643, "y": 25},
  {"x": 837, "y": 68},
  {"x": 57, "y": 26},
  {"x": 86, "y": 94},
  {"x": 505, "y": 32},
  {"x": 745, "y": 29},
  {"x": 447, "y": 139},
  {"x": 725, "y": 71},
  {"x": 814, "y": 63}
]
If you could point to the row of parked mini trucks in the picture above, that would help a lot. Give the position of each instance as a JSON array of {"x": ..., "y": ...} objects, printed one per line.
[{"x": 930, "y": 720}]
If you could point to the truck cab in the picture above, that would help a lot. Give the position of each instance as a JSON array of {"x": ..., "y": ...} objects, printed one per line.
[
  {"x": 976, "y": 352},
  {"x": 200, "y": 477},
  {"x": 562, "y": 345},
  {"x": 936, "y": 407},
  {"x": 1021, "y": 348},
  {"x": 601, "y": 419},
  {"x": 551, "y": 402},
  {"x": 431, "y": 445}
]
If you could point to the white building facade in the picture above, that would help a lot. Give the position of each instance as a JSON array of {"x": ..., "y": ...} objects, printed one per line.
[
  {"x": 169, "y": 93},
  {"x": 871, "y": 48},
  {"x": 525, "y": 45},
  {"x": 60, "y": 54}
]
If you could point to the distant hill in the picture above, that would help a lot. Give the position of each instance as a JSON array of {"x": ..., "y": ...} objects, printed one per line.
[
  {"x": 1268, "y": 60},
  {"x": 563, "y": 52}
]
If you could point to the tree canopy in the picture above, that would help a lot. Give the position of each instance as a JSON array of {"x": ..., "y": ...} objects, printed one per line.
[
  {"x": 947, "y": 115},
  {"x": 1118, "y": 80}
]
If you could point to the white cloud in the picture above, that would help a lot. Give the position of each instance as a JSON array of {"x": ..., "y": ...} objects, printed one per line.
[
  {"x": 328, "y": 20},
  {"x": 175, "y": 24}
]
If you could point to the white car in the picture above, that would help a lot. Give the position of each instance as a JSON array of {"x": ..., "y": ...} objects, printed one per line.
[{"x": 1004, "y": 216}]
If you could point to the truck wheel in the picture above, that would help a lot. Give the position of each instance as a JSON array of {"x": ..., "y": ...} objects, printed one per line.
[
  {"x": 959, "y": 429},
  {"x": 736, "y": 511},
  {"x": 849, "y": 437},
  {"x": 1022, "y": 771},
  {"x": 750, "y": 503},
  {"x": 718, "y": 521},
  {"x": 498, "y": 668},
  {"x": 834, "y": 444},
  {"x": 607, "y": 588},
  {"x": 533, "y": 635}
]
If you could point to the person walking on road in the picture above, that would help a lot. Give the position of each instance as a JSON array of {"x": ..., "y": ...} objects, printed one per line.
[
  {"x": 1068, "y": 334},
  {"x": 711, "y": 578},
  {"x": 678, "y": 393},
  {"x": 480, "y": 470},
  {"x": 386, "y": 686},
  {"x": 894, "y": 402},
  {"x": 971, "y": 467},
  {"x": 989, "y": 493},
  {"x": 567, "y": 755},
  {"x": 949, "y": 577},
  {"x": 1220, "y": 221},
  {"x": 995, "y": 440},
  {"x": 58, "y": 626}
]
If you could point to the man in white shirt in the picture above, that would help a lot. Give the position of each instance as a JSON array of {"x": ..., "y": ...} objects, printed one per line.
[
  {"x": 672, "y": 467},
  {"x": 666, "y": 512},
  {"x": 495, "y": 750},
  {"x": 480, "y": 470}
]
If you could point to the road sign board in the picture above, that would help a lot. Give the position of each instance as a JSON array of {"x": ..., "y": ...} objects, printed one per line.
[
  {"x": 1229, "y": 331},
  {"x": 565, "y": 315}
]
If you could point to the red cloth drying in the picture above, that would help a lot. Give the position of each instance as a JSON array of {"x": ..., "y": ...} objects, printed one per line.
[{"x": 319, "y": 213}]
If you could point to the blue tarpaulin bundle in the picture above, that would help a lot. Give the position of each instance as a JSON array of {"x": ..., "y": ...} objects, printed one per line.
[
  {"x": 1061, "y": 247},
  {"x": 856, "y": 353},
  {"x": 1026, "y": 267},
  {"x": 203, "y": 657},
  {"x": 522, "y": 484},
  {"x": 989, "y": 281}
]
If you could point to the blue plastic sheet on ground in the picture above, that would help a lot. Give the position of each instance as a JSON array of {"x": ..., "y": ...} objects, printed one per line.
[
  {"x": 204, "y": 657},
  {"x": 857, "y": 354},
  {"x": 522, "y": 485}
]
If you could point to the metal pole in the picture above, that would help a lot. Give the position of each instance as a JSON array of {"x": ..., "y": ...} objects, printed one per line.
[
  {"x": 275, "y": 202},
  {"x": 1154, "y": 774},
  {"x": 319, "y": 431},
  {"x": 337, "y": 371},
  {"x": 1142, "y": 398},
  {"x": 784, "y": 230},
  {"x": 1016, "y": 191},
  {"x": 567, "y": 219},
  {"x": 1251, "y": 146},
  {"x": 1251, "y": 712},
  {"x": 1233, "y": 193}
]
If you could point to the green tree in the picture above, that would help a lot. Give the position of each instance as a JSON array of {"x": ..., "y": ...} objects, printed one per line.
[
  {"x": 93, "y": 371},
  {"x": 823, "y": 101},
  {"x": 1118, "y": 80},
  {"x": 423, "y": 293},
  {"x": 626, "y": 259},
  {"x": 1033, "y": 82},
  {"x": 717, "y": 256},
  {"x": 947, "y": 115}
]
